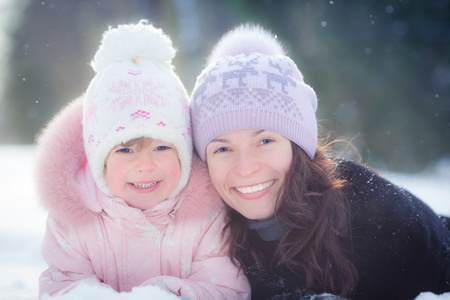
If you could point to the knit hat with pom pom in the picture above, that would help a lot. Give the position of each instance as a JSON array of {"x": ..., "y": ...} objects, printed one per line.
[
  {"x": 135, "y": 93},
  {"x": 249, "y": 83}
]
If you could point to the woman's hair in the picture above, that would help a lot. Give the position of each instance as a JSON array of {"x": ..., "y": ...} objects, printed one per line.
[{"x": 317, "y": 243}]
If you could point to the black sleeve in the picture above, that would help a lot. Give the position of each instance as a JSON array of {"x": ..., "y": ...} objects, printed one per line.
[
  {"x": 446, "y": 221},
  {"x": 400, "y": 246},
  {"x": 297, "y": 295}
]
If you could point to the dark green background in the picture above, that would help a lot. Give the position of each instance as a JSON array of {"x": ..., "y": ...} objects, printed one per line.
[{"x": 381, "y": 69}]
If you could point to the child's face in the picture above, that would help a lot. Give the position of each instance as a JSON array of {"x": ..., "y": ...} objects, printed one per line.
[{"x": 143, "y": 175}]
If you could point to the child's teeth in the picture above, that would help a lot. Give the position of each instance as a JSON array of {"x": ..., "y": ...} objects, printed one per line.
[
  {"x": 144, "y": 185},
  {"x": 255, "y": 188}
]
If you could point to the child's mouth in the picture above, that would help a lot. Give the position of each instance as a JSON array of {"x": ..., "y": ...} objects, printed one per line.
[{"x": 143, "y": 185}]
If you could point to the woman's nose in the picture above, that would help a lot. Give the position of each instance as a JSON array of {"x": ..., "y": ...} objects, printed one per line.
[{"x": 247, "y": 164}]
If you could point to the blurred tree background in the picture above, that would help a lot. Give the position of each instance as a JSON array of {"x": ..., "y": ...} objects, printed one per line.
[{"x": 380, "y": 68}]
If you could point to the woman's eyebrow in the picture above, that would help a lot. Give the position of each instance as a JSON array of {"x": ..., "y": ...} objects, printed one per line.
[
  {"x": 222, "y": 140},
  {"x": 219, "y": 140},
  {"x": 257, "y": 132}
]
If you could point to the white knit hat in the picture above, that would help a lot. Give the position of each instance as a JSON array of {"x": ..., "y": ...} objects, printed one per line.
[{"x": 135, "y": 93}]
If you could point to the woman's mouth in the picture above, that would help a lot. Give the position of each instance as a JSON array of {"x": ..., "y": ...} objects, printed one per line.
[{"x": 255, "y": 188}]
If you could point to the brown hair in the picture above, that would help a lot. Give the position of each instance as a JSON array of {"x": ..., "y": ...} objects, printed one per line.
[
  {"x": 317, "y": 243},
  {"x": 136, "y": 141}
]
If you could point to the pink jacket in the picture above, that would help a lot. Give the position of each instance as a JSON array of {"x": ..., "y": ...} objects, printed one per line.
[{"x": 96, "y": 238}]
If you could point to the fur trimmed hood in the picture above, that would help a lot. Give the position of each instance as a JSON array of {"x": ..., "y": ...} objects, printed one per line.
[{"x": 66, "y": 187}]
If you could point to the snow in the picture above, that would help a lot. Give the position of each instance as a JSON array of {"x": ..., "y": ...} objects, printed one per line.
[
  {"x": 431, "y": 296},
  {"x": 22, "y": 226},
  {"x": 87, "y": 291}
]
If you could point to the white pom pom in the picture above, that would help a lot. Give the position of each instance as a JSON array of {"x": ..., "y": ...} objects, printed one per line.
[
  {"x": 136, "y": 42},
  {"x": 246, "y": 39}
]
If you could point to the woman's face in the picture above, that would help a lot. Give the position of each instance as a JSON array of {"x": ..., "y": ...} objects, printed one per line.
[{"x": 247, "y": 168}]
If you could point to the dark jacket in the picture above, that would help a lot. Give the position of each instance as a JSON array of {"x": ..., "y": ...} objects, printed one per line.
[{"x": 400, "y": 246}]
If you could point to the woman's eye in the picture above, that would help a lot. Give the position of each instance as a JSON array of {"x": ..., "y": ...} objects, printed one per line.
[
  {"x": 222, "y": 149},
  {"x": 266, "y": 141},
  {"x": 124, "y": 150},
  {"x": 160, "y": 148}
]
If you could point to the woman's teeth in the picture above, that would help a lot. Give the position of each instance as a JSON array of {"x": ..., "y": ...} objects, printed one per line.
[
  {"x": 255, "y": 188},
  {"x": 143, "y": 185}
]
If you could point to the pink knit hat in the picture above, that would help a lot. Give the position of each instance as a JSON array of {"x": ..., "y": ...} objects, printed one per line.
[
  {"x": 249, "y": 83},
  {"x": 135, "y": 93}
]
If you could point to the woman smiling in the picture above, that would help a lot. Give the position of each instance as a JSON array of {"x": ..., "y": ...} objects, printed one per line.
[{"x": 303, "y": 223}]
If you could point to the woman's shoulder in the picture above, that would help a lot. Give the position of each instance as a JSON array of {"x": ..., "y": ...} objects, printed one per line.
[
  {"x": 393, "y": 232},
  {"x": 351, "y": 170},
  {"x": 375, "y": 199},
  {"x": 380, "y": 207},
  {"x": 363, "y": 182}
]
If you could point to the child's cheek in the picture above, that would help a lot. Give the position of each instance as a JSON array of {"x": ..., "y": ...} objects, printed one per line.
[
  {"x": 174, "y": 173},
  {"x": 115, "y": 173}
]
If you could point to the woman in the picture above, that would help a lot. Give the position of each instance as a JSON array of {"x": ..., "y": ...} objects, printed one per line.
[{"x": 301, "y": 222}]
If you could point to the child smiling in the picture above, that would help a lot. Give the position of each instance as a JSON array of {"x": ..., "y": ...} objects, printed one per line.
[
  {"x": 113, "y": 170},
  {"x": 143, "y": 172}
]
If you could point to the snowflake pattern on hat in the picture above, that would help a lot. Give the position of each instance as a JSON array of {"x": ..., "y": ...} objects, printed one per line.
[
  {"x": 135, "y": 94},
  {"x": 254, "y": 90}
]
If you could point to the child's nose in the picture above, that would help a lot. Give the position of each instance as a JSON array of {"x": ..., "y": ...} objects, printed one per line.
[{"x": 145, "y": 163}]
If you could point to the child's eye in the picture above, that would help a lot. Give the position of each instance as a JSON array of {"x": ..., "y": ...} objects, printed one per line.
[
  {"x": 266, "y": 141},
  {"x": 160, "y": 148},
  {"x": 124, "y": 150}
]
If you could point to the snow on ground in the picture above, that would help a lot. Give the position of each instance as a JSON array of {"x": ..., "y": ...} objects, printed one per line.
[{"x": 22, "y": 225}]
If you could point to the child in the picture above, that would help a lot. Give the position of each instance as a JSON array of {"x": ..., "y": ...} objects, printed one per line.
[{"x": 113, "y": 170}]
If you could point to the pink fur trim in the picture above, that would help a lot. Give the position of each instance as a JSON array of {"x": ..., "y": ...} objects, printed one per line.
[
  {"x": 199, "y": 196},
  {"x": 60, "y": 155}
]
